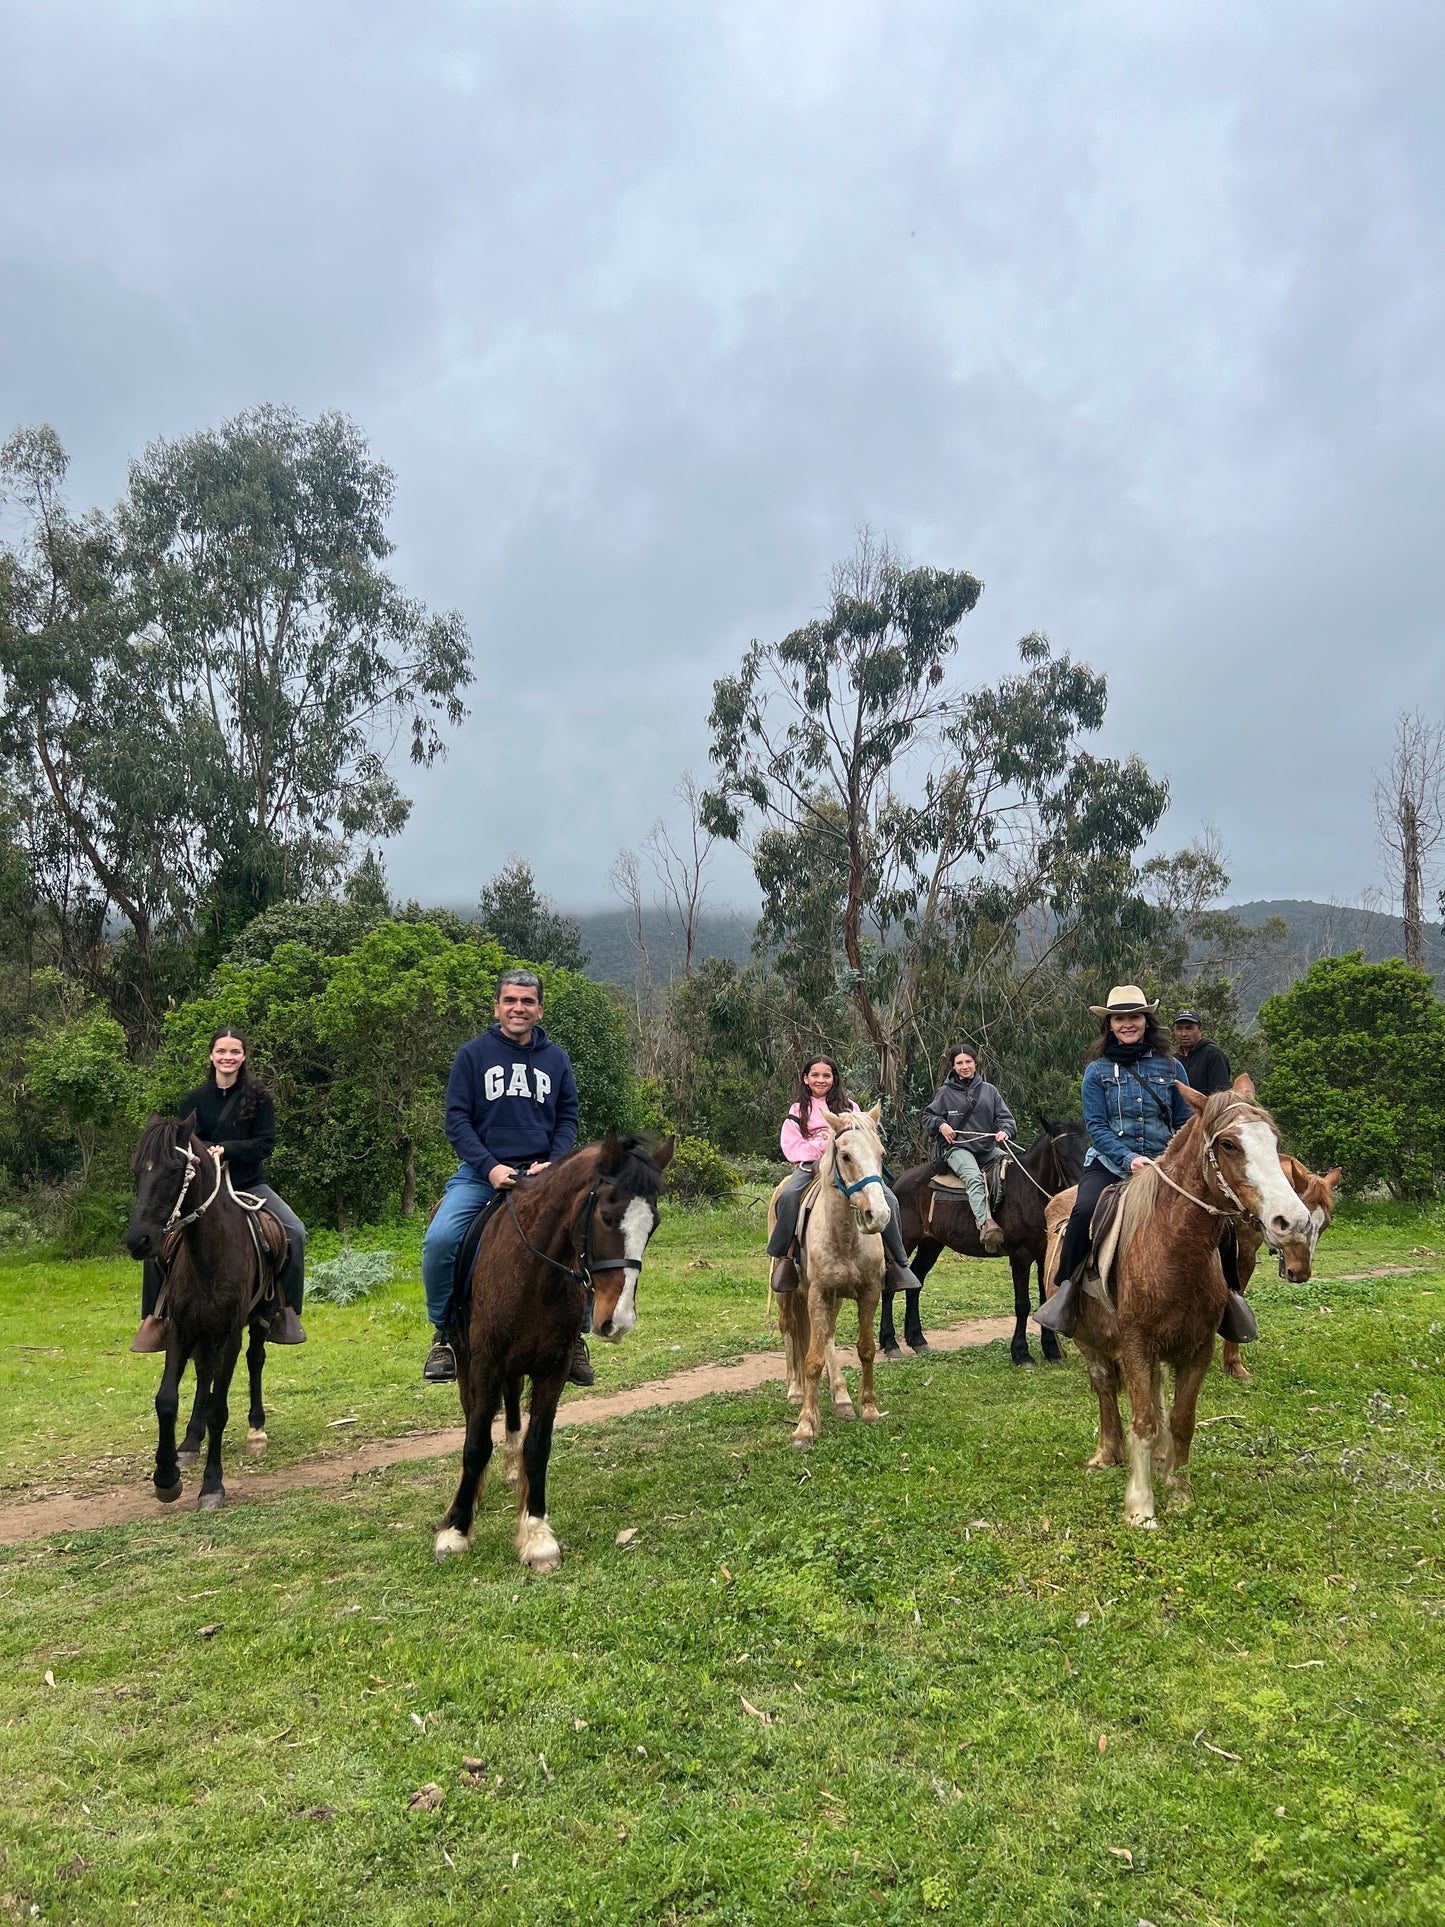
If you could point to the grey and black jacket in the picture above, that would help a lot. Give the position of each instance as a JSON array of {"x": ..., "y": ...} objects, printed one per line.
[{"x": 976, "y": 1106}]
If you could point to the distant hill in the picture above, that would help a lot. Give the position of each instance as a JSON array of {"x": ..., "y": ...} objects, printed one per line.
[
  {"x": 612, "y": 956},
  {"x": 1327, "y": 930}
]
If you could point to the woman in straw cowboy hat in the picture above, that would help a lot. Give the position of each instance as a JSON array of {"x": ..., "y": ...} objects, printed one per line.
[{"x": 1132, "y": 1107}]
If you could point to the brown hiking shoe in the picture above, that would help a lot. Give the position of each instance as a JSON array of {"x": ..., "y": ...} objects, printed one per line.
[
  {"x": 991, "y": 1234},
  {"x": 152, "y": 1335}
]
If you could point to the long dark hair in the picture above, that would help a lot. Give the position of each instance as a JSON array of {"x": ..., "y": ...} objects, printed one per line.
[
  {"x": 249, "y": 1087},
  {"x": 1155, "y": 1036},
  {"x": 836, "y": 1100}
]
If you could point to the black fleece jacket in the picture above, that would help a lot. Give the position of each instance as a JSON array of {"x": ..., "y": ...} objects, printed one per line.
[{"x": 247, "y": 1142}]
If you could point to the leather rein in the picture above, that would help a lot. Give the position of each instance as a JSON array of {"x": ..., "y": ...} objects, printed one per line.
[{"x": 1209, "y": 1165}]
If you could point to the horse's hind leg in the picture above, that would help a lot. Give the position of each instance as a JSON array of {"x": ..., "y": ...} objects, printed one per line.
[
  {"x": 887, "y": 1336},
  {"x": 455, "y": 1532},
  {"x": 213, "y": 1490},
  {"x": 537, "y": 1546},
  {"x": 1104, "y": 1377},
  {"x": 168, "y": 1404},
  {"x": 793, "y": 1323},
  {"x": 256, "y": 1413},
  {"x": 820, "y": 1338},
  {"x": 512, "y": 1455},
  {"x": 867, "y": 1350}
]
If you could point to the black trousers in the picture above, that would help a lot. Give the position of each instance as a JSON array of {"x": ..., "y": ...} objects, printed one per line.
[{"x": 1096, "y": 1179}]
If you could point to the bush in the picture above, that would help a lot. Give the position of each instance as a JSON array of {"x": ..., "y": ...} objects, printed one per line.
[
  {"x": 699, "y": 1173},
  {"x": 1358, "y": 1073},
  {"x": 349, "y": 1276}
]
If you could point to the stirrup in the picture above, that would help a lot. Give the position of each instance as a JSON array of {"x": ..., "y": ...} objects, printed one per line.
[
  {"x": 1060, "y": 1313},
  {"x": 1238, "y": 1325}
]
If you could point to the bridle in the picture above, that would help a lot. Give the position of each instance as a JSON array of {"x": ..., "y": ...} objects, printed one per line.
[
  {"x": 582, "y": 1272},
  {"x": 851, "y": 1190},
  {"x": 192, "y": 1159},
  {"x": 1209, "y": 1165}
]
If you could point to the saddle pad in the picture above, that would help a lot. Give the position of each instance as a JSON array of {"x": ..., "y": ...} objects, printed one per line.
[
  {"x": 948, "y": 1185},
  {"x": 1104, "y": 1236},
  {"x": 944, "y": 1182},
  {"x": 467, "y": 1250},
  {"x": 273, "y": 1237}
]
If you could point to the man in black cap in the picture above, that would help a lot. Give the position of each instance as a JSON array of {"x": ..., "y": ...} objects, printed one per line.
[{"x": 1203, "y": 1060}]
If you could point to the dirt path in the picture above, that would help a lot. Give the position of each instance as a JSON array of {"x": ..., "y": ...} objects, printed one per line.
[{"x": 127, "y": 1506}]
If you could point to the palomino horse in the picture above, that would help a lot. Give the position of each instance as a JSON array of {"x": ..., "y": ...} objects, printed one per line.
[
  {"x": 1169, "y": 1292},
  {"x": 214, "y": 1290},
  {"x": 930, "y": 1221},
  {"x": 841, "y": 1257},
  {"x": 572, "y": 1236},
  {"x": 1319, "y": 1198}
]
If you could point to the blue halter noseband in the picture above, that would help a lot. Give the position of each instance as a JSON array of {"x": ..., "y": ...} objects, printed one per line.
[{"x": 849, "y": 1189}]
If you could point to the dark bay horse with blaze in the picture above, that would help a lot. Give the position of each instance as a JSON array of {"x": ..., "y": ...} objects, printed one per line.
[
  {"x": 216, "y": 1288},
  {"x": 1169, "y": 1293},
  {"x": 932, "y": 1221},
  {"x": 573, "y": 1234}
]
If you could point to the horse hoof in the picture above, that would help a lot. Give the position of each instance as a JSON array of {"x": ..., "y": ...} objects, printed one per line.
[
  {"x": 256, "y": 1440},
  {"x": 1027, "y": 1359},
  {"x": 845, "y": 1411},
  {"x": 537, "y": 1547},
  {"x": 188, "y": 1456},
  {"x": 212, "y": 1501},
  {"x": 795, "y": 1399},
  {"x": 870, "y": 1415},
  {"x": 1181, "y": 1494},
  {"x": 890, "y": 1350},
  {"x": 1141, "y": 1521},
  {"x": 801, "y": 1444},
  {"x": 168, "y": 1494},
  {"x": 920, "y": 1349},
  {"x": 450, "y": 1542},
  {"x": 1237, "y": 1371},
  {"x": 1101, "y": 1462}
]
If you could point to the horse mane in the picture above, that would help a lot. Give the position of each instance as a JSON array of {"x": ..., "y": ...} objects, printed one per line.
[
  {"x": 637, "y": 1173},
  {"x": 158, "y": 1139},
  {"x": 1141, "y": 1194}
]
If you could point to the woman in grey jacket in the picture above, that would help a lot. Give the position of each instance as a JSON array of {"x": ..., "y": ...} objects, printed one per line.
[{"x": 968, "y": 1120}]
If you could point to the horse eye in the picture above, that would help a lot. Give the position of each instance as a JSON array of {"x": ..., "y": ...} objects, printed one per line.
[{"x": 1228, "y": 1144}]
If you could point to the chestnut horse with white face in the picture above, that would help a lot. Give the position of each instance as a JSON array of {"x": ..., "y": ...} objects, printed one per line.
[
  {"x": 841, "y": 1257},
  {"x": 573, "y": 1235},
  {"x": 1169, "y": 1293},
  {"x": 1296, "y": 1261}
]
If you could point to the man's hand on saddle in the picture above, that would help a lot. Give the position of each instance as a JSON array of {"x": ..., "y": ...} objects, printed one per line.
[
  {"x": 533, "y": 1169},
  {"x": 502, "y": 1177}
]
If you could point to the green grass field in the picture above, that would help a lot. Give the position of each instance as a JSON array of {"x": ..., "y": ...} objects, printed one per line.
[{"x": 924, "y": 1673}]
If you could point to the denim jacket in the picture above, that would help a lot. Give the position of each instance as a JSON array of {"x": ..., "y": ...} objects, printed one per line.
[{"x": 1122, "y": 1119}]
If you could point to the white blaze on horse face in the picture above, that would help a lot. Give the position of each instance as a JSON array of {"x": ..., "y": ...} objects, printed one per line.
[
  {"x": 636, "y": 1229},
  {"x": 1281, "y": 1209}
]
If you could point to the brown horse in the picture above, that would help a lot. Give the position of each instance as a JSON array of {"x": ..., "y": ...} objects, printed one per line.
[
  {"x": 1319, "y": 1198},
  {"x": 932, "y": 1222},
  {"x": 841, "y": 1257},
  {"x": 572, "y": 1236},
  {"x": 1169, "y": 1293},
  {"x": 216, "y": 1288}
]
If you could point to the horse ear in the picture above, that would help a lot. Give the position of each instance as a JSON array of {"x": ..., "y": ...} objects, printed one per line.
[
  {"x": 609, "y": 1159},
  {"x": 188, "y": 1123},
  {"x": 1196, "y": 1100},
  {"x": 838, "y": 1123},
  {"x": 1332, "y": 1179},
  {"x": 662, "y": 1156},
  {"x": 1243, "y": 1085},
  {"x": 877, "y": 1111}
]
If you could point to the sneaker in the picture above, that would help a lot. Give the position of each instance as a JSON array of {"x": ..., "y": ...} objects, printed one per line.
[
  {"x": 152, "y": 1335},
  {"x": 581, "y": 1372},
  {"x": 441, "y": 1362}
]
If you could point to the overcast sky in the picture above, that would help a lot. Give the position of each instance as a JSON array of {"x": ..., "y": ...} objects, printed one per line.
[{"x": 1133, "y": 310}]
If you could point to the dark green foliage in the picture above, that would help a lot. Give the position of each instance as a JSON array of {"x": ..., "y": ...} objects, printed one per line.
[
  {"x": 699, "y": 1173},
  {"x": 525, "y": 921},
  {"x": 1358, "y": 1073}
]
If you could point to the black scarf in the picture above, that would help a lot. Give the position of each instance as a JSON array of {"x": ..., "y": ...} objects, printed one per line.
[{"x": 1119, "y": 1053}]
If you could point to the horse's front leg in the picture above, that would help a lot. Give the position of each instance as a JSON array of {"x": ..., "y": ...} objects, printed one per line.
[
  {"x": 168, "y": 1404},
  {"x": 512, "y": 1452},
  {"x": 1021, "y": 1265},
  {"x": 1139, "y": 1373},
  {"x": 822, "y": 1313},
  {"x": 256, "y": 1413},
  {"x": 867, "y": 1350},
  {"x": 537, "y": 1546},
  {"x": 190, "y": 1447},
  {"x": 1187, "y": 1382},
  {"x": 455, "y": 1532},
  {"x": 213, "y": 1490}
]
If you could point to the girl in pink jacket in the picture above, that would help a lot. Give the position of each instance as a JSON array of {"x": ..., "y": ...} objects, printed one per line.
[{"x": 804, "y": 1138}]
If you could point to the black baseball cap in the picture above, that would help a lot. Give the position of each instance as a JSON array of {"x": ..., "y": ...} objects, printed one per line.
[{"x": 1188, "y": 1017}]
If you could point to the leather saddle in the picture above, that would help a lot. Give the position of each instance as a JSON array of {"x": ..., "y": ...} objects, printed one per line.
[
  {"x": 466, "y": 1259},
  {"x": 805, "y": 1211},
  {"x": 945, "y": 1184}
]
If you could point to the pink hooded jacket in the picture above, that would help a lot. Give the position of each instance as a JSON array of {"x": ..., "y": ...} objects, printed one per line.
[{"x": 806, "y": 1147}]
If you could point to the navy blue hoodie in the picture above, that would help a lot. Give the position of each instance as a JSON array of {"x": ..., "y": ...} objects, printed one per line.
[{"x": 508, "y": 1104}]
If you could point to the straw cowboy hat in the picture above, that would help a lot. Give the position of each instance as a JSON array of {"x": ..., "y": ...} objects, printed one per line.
[{"x": 1125, "y": 1000}]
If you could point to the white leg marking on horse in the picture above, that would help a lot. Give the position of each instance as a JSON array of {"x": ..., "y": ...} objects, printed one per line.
[
  {"x": 536, "y": 1543},
  {"x": 512, "y": 1457},
  {"x": 450, "y": 1541},
  {"x": 1277, "y": 1196},
  {"x": 1139, "y": 1492}
]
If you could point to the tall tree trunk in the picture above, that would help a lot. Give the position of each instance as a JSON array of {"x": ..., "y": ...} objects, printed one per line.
[
  {"x": 1412, "y": 884},
  {"x": 408, "y": 1181}
]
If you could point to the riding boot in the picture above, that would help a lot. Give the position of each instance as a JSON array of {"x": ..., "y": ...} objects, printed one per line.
[
  {"x": 581, "y": 1371},
  {"x": 1061, "y": 1312},
  {"x": 1238, "y": 1324},
  {"x": 152, "y": 1335},
  {"x": 991, "y": 1234},
  {"x": 285, "y": 1328},
  {"x": 785, "y": 1275},
  {"x": 898, "y": 1277}
]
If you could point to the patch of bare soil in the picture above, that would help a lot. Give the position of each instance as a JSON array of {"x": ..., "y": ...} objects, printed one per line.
[{"x": 40, "y": 1518}]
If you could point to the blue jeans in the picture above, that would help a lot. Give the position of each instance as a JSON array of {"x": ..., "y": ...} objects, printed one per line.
[{"x": 463, "y": 1198}]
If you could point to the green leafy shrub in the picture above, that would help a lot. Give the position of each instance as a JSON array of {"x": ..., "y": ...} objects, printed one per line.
[
  {"x": 348, "y": 1276},
  {"x": 699, "y": 1173},
  {"x": 1357, "y": 1074}
]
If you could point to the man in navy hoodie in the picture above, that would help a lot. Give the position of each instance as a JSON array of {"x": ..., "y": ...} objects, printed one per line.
[{"x": 511, "y": 1109}]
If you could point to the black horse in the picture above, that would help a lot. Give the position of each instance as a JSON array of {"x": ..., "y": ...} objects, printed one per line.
[
  {"x": 1051, "y": 1164},
  {"x": 215, "y": 1290}
]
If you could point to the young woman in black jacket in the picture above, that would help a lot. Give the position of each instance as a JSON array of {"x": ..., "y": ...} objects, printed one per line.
[{"x": 234, "y": 1111}]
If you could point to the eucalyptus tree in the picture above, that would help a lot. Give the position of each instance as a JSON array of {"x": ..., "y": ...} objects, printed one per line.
[{"x": 899, "y": 820}]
